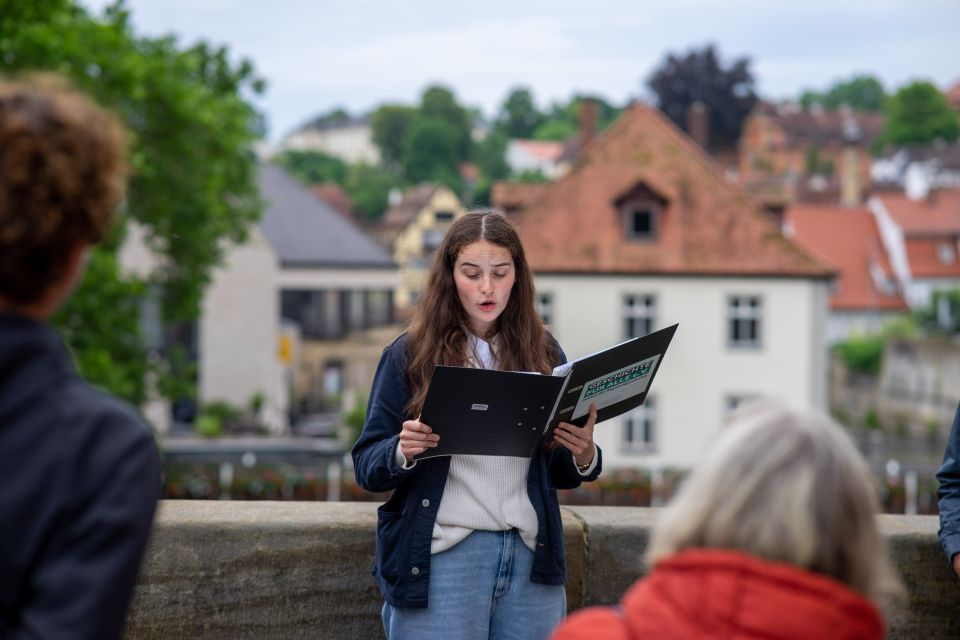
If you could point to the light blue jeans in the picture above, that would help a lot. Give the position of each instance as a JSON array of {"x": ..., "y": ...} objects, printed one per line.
[{"x": 481, "y": 590}]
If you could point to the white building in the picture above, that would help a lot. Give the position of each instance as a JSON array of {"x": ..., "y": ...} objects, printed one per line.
[
  {"x": 350, "y": 140},
  {"x": 645, "y": 232},
  {"x": 305, "y": 275}
]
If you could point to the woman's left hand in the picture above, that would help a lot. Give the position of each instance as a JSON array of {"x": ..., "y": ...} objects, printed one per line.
[{"x": 579, "y": 440}]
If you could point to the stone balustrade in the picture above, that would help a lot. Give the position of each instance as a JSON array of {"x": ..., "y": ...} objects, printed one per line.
[{"x": 270, "y": 570}]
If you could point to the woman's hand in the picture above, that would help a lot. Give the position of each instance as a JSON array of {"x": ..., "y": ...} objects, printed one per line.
[
  {"x": 415, "y": 438},
  {"x": 579, "y": 440}
]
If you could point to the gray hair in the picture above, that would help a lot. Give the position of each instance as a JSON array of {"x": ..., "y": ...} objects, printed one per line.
[{"x": 785, "y": 486}]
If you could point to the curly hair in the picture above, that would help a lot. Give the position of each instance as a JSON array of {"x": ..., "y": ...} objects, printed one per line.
[{"x": 63, "y": 170}]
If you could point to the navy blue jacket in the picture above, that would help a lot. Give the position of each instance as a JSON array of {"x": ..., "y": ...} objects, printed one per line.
[
  {"x": 949, "y": 492},
  {"x": 79, "y": 481},
  {"x": 405, "y": 522}
]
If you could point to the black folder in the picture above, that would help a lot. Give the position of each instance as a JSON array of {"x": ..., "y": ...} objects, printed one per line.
[{"x": 509, "y": 413}]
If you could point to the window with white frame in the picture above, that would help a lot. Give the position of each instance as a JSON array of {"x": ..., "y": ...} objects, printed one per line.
[
  {"x": 638, "y": 314},
  {"x": 640, "y": 428},
  {"x": 545, "y": 307},
  {"x": 744, "y": 317},
  {"x": 640, "y": 221}
]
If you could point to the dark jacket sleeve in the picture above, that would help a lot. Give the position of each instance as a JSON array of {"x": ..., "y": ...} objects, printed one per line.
[
  {"x": 949, "y": 492},
  {"x": 373, "y": 454},
  {"x": 85, "y": 576}
]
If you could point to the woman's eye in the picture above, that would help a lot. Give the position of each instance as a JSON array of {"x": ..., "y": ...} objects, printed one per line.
[{"x": 499, "y": 275}]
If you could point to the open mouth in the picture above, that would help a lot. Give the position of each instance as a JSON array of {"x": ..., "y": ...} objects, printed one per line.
[{"x": 487, "y": 305}]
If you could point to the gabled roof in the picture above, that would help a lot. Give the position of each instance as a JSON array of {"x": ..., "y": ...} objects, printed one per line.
[
  {"x": 937, "y": 214},
  {"x": 306, "y": 232},
  {"x": 848, "y": 240},
  {"x": 399, "y": 215},
  {"x": 708, "y": 226}
]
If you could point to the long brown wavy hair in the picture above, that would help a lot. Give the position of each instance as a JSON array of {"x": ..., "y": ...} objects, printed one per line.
[{"x": 440, "y": 327}]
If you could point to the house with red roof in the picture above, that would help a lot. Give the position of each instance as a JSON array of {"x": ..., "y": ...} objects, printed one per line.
[
  {"x": 866, "y": 293},
  {"x": 535, "y": 156},
  {"x": 646, "y": 231},
  {"x": 920, "y": 230}
]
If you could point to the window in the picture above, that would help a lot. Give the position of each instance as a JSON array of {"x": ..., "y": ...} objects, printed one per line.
[
  {"x": 638, "y": 315},
  {"x": 639, "y": 429},
  {"x": 545, "y": 307},
  {"x": 945, "y": 253},
  {"x": 329, "y": 314},
  {"x": 444, "y": 216},
  {"x": 641, "y": 223},
  {"x": 743, "y": 319}
]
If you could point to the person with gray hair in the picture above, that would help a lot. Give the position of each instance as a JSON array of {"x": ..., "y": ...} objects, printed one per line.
[{"x": 772, "y": 535}]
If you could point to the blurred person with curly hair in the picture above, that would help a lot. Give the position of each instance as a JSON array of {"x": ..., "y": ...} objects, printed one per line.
[
  {"x": 773, "y": 535},
  {"x": 79, "y": 469}
]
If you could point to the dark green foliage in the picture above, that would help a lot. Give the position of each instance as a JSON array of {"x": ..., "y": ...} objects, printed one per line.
[
  {"x": 193, "y": 184},
  {"x": 519, "y": 116},
  {"x": 862, "y": 354},
  {"x": 862, "y": 92},
  {"x": 918, "y": 114}
]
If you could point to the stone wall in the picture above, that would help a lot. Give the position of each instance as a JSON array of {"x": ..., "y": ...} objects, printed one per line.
[{"x": 270, "y": 570}]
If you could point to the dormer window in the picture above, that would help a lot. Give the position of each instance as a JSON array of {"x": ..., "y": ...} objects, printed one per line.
[
  {"x": 640, "y": 211},
  {"x": 641, "y": 223}
]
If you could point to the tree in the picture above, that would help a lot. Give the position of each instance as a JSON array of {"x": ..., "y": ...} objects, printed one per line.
[
  {"x": 440, "y": 104},
  {"x": 862, "y": 92},
  {"x": 369, "y": 189},
  {"x": 313, "y": 167},
  {"x": 918, "y": 114},
  {"x": 430, "y": 153},
  {"x": 390, "y": 123},
  {"x": 519, "y": 116},
  {"x": 563, "y": 120},
  {"x": 194, "y": 170},
  {"x": 698, "y": 76}
]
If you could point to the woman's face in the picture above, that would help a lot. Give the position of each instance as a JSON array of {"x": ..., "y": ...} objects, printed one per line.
[{"x": 484, "y": 274}]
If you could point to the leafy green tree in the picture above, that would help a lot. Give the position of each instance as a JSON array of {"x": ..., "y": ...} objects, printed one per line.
[
  {"x": 439, "y": 103},
  {"x": 431, "y": 152},
  {"x": 194, "y": 181},
  {"x": 519, "y": 116},
  {"x": 369, "y": 188},
  {"x": 698, "y": 76},
  {"x": 563, "y": 120},
  {"x": 390, "y": 123},
  {"x": 491, "y": 156},
  {"x": 862, "y": 92},
  {"x": 918, "y": 114},
  {"x": 313, "y": 167}
]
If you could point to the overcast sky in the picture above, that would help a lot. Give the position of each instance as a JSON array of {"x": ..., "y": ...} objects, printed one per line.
[{"x": 318, "y": 54}]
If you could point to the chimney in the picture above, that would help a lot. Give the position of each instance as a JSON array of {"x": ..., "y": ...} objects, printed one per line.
[
  {"x": 698, "y": 124},
  {"x": 850, "y": 183},
  {"x": 588, "y": 121}
]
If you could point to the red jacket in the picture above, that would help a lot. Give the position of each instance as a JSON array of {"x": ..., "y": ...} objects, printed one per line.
[{"x": 712, "y": 593}]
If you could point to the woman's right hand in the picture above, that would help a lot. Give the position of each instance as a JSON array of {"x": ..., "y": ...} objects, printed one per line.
[{"x": 415, "y": 438}]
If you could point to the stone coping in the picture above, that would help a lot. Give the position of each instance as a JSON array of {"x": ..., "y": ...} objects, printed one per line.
[{"x": 232, "y": 569}]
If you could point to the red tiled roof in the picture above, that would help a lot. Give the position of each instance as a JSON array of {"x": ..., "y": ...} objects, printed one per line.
[
  {"x": 923, "y": 254},
  {"x": 708, "y": 225},
  {"x": 849, "y": 240},
  {"x": 938, "y": 214},
  {"x": 953, "y": 95},
  {"x": 414, "y": 200},
  {"x": 546, "y": 149},
  {"x": 516, "y": 196}
]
